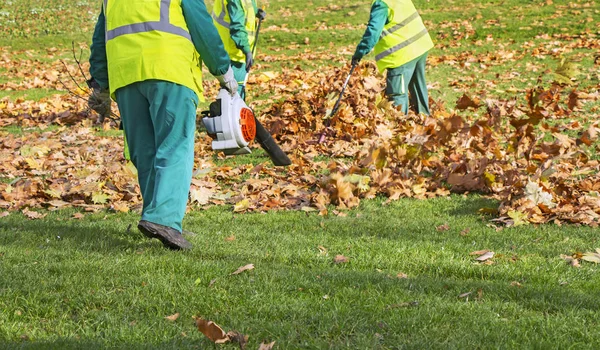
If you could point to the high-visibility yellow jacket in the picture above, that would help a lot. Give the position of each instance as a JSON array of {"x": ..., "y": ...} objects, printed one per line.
[
  {"x": 222, "y": 20},
  {"x": 149, "y": 39},
  {"x": 404, "y": 36}
]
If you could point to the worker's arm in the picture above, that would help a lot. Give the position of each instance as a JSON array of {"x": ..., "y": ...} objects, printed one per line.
[
  {"x": 237, "y": 25},
  {"x": 377, "y": 21},
  {"x": 205, "y": 37},
  {"x": 98, "y": 63}
]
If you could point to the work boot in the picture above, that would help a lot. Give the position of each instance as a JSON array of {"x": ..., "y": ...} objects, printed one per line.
[{"x": 170, "y": 237}]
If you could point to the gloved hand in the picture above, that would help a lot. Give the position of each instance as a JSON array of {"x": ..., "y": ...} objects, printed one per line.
[
  {"x": 228, "y": 82},
  {"x": 355, "y": 60},
  {"x": 99, "y": 100},
  {"x": 249, "y": 60},
  {"x": 261, "y": 14}
]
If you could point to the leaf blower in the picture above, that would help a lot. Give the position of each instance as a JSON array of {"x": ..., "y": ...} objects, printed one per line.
[{"x": 231, "y": 124}]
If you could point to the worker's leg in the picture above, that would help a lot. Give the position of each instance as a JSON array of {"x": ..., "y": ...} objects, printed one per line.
[
  {"x": 419, "y": 98},
  {"x": 173, "y": 118},
  {"x": 239, "y": 72},
  {"x": 139, "y": 135},
  {"x": 396, "y": 88}
]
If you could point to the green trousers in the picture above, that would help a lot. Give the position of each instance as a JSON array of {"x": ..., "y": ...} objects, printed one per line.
[
  {"x": 159, "y": 120},
  {"x": 406, "y": 86},
  {"x": 239, "y": 72}
]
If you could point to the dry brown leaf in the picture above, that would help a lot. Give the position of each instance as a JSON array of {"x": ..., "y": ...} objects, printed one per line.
[
  {"x": 212, "y": 331},
  {"x": 340, "y": 259},
  {"x": 33, "y": 214},
  {"x": 242, "y": 269},
  {"x": 444, "y": 227},
  {"x": 173, "y": 317},
  {"x": 486, "y": 256},
  {"x": 479, "y": 252}
]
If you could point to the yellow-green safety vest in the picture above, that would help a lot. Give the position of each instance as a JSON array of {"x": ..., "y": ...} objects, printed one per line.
[
  {"x": 222, "y": 22},
  {"x": 404, "y": 37},
  {"x": 149, "y": 39}
]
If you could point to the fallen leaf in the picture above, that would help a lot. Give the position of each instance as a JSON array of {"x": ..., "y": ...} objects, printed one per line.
[
  {"x": 243, "y": 268},
  {"x": 444, "y": 227},
  {"x": 230, "y": 238},
  {"x": 401, "y": 275},
  {"x": 479, "y": 252},
  {"x": 33, "y": 214},
  {"x": 592, "y": 256},
  {"x": 237, "y": 337},
  {"x": 78, "y": 216},
  {"x": 464, "y": 295},
  {"x": 266, "y": 346},
  {"x": 340, "y": 259},
  {"x": 173, "y": 317},
  {"x": 485, "y": 256},
  {"x": 571, "y": 260},
  {"x": 322, "y": 250},
  {"x": 241, "y": 206},
  {"x": 211, "y": 330}
]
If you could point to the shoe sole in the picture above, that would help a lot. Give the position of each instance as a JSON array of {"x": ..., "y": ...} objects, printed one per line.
[{"x": 168, "y": 244}]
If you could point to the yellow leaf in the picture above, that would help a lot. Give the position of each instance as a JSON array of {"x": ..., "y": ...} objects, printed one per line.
[{"x": 241, "y": 206}]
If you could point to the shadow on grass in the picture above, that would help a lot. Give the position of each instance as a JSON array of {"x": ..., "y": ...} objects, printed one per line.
[{"x": 82, "y": 235}]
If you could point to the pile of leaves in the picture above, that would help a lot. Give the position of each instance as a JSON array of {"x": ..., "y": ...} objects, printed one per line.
[
  {"x": 534, "y": 153},
  {"x": 532, "y": 157}
]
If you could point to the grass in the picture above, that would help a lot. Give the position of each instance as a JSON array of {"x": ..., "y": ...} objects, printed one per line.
[
  {"x": 96, "y": 283},
  {"x": 75, "y": 284}
]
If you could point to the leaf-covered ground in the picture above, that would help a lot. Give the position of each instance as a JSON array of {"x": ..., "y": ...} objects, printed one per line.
[{"x": 534, "y": 150}]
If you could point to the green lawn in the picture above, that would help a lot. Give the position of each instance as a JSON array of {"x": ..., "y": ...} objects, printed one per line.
[{"x": 410, "y": 282}]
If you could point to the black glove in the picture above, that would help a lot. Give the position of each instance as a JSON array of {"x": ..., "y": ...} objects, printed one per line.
[
  {"x": 249, "y": 61},
  {"x": 261, "y": 14},
  {"x": 99, "y": 100},
  {"x": 355, "y": 60}
]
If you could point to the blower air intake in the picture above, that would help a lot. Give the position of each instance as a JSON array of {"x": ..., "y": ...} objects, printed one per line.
[{"x": 231, "y": 124}]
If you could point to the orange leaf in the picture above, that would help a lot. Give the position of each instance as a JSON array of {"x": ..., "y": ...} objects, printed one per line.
[{"x": 211, "y": 330}]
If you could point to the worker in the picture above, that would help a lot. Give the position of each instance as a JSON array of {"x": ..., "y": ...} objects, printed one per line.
[
  {"x": 147, "y": 56},
  {"x": 236, "y": 22},
  {"x": 401, "y": 43}
]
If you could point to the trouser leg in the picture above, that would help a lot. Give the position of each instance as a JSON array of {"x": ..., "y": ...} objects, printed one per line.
[
  {"x": 396, "y": 88},
  {"x": 139, "y": 135},
  {"x": 419, "y": 97},
  {"x": 239, "y": 72},
  {"x": 172, "y": 110}
]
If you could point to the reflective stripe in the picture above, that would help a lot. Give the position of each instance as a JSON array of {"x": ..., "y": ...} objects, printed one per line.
[
  {"x": 400, "y": 46},
  {"x": 162, "y": 25},
  {"x": 399, "y": 25},
  {"x": 220, "y": 19}
]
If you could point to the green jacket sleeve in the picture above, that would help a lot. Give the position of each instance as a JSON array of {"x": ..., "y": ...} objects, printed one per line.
[
  {"x": 377, "y": 21},
  {"x": 237, "y": 24},
  {"x": 205, "y": 36},
  {"x": 98, "y": 63}
]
